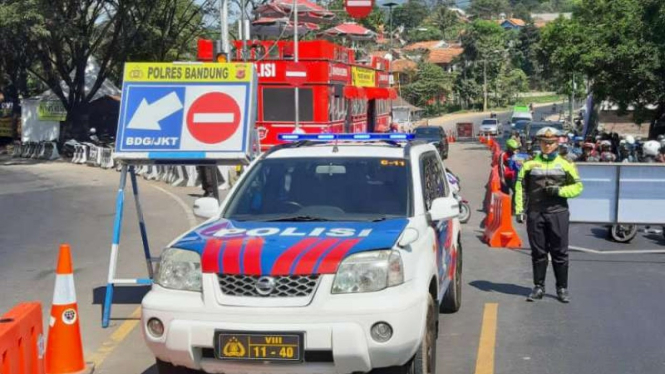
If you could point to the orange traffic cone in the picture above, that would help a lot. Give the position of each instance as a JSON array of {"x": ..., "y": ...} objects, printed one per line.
[{"x": 64, "y": 350}]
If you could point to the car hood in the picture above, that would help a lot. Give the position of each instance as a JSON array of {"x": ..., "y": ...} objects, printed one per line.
[
  {"x": 285, "y": 248},
  {"x": 430, "y": 139}
]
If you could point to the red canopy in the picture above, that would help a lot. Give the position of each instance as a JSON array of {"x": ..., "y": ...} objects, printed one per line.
[
  {"x": 267, "y": 26},
  {"x": 352, "y": 31},
  {"x": 380, "y": 93},
  {"x": 307, "y": 11}
]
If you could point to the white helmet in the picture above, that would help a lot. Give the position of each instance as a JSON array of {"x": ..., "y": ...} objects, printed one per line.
[
  {"x": 630, "y": 139},
  {"x": 651, "y": 148}
]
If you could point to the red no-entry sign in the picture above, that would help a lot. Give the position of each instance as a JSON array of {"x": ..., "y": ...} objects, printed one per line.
[
  {"x": 296, "y": 74},
  {"x": 213, "y": 118},
  {"x": 359, "y": 8}
]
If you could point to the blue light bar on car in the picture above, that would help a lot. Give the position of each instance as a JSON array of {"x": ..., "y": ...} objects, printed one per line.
[{"x": 393, "y": 136}]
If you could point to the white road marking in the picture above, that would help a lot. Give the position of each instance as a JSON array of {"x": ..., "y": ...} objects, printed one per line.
[
  {"x": 626, "y": 252},
  {"x": 214, "y": 118},
  {"x": 191, "y": 218}
]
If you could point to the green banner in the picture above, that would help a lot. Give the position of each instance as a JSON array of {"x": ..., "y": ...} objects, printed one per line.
[{"x": 51, "y": 110}]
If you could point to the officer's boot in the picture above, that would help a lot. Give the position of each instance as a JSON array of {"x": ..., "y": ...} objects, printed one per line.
[
  {"x": 539, "y": 271},
  {"x": 561, "y": 274}
]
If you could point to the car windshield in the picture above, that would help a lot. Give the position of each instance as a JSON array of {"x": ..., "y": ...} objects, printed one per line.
[
  {"x": 427, "y": 131},
  {"x": 322, "y": 189},
  {"x": 520, "y": 126},
  {"x": 489, "y": 122}
]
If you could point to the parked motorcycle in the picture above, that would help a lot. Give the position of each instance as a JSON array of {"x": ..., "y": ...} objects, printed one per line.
[{"x": 464, "y": 206}]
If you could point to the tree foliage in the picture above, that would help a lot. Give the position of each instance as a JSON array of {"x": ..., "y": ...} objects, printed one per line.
[
  {"x": 617, "y": 45},
  {"x": 431, "y": 82}
]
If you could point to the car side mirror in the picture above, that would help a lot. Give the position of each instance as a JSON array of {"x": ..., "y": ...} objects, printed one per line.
[
  {"x": 444, "y": 208},
  {"x": 206, "y": 207}
]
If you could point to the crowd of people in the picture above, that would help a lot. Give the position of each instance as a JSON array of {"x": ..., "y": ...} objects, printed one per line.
[{"x": 603, "y": 147}]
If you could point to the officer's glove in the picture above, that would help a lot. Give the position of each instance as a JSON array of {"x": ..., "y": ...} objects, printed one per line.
[
  {"x": 552, "y": 190},
  {"x": 521, "y": 218}
]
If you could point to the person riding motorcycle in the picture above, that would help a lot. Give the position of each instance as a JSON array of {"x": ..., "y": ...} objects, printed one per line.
[
  {"x": 650, "y": 151},
  {"x": 508, "y": 167},
  {"x": 625, "y": 154},
  {"x": 606, "y": 154},
  {"x": 564, "y": 151},
  {"x": 588, "y": 153}
]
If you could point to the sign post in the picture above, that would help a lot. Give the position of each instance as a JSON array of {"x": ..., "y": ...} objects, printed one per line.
[{"x": 171, "y": 113}]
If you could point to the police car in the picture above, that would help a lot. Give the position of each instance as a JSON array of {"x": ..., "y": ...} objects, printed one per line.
[{"x": 334, "y": 253}]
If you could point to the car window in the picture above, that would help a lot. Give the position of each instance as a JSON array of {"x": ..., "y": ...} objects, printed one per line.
[
  {"x": 334, "y": 188},
  {"x": 432, "y": 178},
  {"x": 431, "y": 131},
  {"x": 489, "y": 122}
]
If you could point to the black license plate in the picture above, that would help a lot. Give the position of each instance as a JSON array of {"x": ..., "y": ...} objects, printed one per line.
[{"x": 259, "y": 346}]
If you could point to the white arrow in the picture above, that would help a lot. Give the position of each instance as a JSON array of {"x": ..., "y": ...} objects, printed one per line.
[{"x": 147, "y": 116}]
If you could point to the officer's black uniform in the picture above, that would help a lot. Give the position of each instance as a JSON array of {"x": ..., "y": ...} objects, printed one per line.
[{"x": 546, "y": 182}]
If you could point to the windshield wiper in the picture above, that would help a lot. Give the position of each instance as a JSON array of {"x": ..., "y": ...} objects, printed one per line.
[{"x": 297, "y": 219}]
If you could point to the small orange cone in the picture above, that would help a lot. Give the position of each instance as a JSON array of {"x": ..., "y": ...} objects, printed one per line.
[{"x": 64, "y": 349}]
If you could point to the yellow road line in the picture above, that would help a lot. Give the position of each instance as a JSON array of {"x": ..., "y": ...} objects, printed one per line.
[
  {"x": 118, "y": 336},
  {"x": 485, "y": 360}
]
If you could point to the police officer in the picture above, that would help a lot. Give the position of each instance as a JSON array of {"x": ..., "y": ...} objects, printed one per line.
[{"x": 543, "y": 186}]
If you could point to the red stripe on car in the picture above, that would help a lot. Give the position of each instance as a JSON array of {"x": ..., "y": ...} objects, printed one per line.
[
  {"x": 285, "y": 260},
  {"x": 231, "y": 256},
  {"x": 252, "y": 256},
  {"x": 210, "y": 256},
  {"x": 307, "y": 262},
  {"x": 331, "y": 261}
]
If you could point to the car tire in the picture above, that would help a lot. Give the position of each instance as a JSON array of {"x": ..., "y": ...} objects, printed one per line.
[
  {"x": 452, "y": 300},
  {"x": 164, "y": 367}
]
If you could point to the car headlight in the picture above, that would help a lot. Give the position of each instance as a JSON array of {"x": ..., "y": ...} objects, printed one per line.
[
  {"x": 368, "y": 272},
  {"x": 179, "y": 270}
]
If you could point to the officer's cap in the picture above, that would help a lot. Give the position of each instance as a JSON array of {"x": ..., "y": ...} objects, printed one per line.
[{"x": 548, "y": 134}]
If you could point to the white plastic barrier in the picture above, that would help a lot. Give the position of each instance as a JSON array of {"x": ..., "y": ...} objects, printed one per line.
[
  {"x": 192, "y": 176},
  {"x": 179, "y": 176}
]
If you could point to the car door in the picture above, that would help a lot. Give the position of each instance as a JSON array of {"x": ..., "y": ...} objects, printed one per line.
[{"x": 434, "y": 186}]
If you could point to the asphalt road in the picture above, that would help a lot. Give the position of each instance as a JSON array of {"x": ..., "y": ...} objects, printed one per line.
[{"x": 613, "y": 325}]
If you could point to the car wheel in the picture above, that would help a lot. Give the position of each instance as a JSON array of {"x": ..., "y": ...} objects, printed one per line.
[
  {"x": 164, "y": 367},
  {"x": 452, "y": 300}
]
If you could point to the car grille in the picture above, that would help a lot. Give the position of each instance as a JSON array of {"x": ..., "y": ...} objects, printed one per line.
[{"x": 285, "y": 286}]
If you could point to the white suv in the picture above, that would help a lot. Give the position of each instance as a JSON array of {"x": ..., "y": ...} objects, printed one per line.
[{"x": 324, "y": 258}]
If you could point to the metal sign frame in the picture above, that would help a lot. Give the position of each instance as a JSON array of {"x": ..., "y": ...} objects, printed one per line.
[{"x": 128, "y": 160}]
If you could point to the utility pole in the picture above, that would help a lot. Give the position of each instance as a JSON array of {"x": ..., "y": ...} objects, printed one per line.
[
  {"x": 224, "y": 23},
  {"x": 485, "y": 85},
  {"x": 572, "y": 100},
  {"x": 295, "y": 59}
]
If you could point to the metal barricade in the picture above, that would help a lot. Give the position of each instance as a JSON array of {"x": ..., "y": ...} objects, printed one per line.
[{"x": 627, "y": 193}]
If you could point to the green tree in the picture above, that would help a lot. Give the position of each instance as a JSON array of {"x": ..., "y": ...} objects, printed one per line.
[
  {"x": 489, "y": 9},
  {"x": 424, "y": 34},
  {"x": 446, "y": 21},
  {"x": 431, "y": 82},
  {"x": 410, "y": 14}
]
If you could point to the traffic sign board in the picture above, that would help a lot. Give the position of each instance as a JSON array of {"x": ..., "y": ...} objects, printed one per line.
[
  {"x": 213, "y": 118},
  {"x": 186, "y": 111},
  {"x": 296, "y": 73},
  {"x": 359, "y": 8}
]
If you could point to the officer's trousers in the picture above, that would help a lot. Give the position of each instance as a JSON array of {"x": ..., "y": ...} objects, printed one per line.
[{"x": 548, "y": 233}]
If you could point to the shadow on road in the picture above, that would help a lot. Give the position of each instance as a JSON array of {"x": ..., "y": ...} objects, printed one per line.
[
  {"x": 599, "y": 232},
  {"x": 505, "y": 288},
  {"x": 121, "y": 294}
]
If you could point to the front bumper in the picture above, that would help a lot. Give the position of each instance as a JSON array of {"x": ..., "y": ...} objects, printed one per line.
[{"x": 336, "y": 328}]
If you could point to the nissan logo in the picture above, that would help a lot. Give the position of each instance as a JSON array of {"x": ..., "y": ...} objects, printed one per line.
[{"x": 265, "y": 285}]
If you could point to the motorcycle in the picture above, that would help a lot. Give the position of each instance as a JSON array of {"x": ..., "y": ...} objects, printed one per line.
[{"x": 464, "y": 206}]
